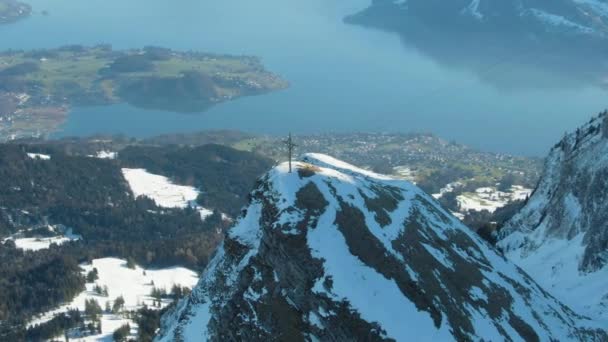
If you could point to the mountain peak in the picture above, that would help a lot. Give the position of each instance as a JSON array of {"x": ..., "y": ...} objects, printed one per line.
[{"x": 335, "y": 252}]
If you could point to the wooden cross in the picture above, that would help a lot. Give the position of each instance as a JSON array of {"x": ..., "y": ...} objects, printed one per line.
[{"x": 290, "y": 146}]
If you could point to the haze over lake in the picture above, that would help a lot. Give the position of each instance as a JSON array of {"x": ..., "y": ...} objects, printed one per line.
[{"x": 343, "y": 77}]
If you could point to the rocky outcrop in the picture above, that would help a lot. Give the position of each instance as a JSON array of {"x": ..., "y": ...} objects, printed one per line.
[
  {"x": 561, "y": 235},
  {"x": 335, "y": 253}
]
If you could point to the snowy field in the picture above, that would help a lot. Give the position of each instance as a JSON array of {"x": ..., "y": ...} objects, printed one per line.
[
  {"x": 135, "y": 285},
  {"x": 488, "y": 198},
  {"x": 39, "y": 243},
  {"x": 491, "y": 199},
  {"x": 39, "y": 156},
  {"x": 162, "y": 191},
  {"x": 105, "y": 155}
]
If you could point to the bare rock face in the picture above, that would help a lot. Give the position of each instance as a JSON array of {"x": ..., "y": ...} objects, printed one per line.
[
  {"x": 561, "y": 235},
  {"x": 331, "y": 252}
]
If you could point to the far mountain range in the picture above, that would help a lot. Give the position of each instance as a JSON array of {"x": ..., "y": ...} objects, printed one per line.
[{"x": 511, "y": 42}]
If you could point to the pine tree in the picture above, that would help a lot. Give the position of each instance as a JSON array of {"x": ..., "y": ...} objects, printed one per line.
[
  {"x": 130, "y": 263},
  {"x": 119, "y": 304}
]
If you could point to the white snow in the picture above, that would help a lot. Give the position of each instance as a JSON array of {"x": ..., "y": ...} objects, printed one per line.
[
  {"x": 547, "y": 238},
  {"x": 36, "y": 244},
  {"x": 559, "y": 21},
  {"x": 105, "y": 155},
  {"x": 439, "y": 256},
  {"x": 39, "y": 156},
  {"x": 376, "y": 298},
  {"x": 322, "y": 160},
  {"x": 39, "y": 243},
  {"x": 554, "y": 265},
  {"x": 159, "y": 188},
  {"x": 459, "y": 216},
  {"x": 196, "y": 330},
  {"x": 162, "y": 191},
  {"x": 372, "y": 295},
  {"x": 447, "y": 189},
  {"x": 132, "y": 284},
  {"x": 478, "y": 294}
]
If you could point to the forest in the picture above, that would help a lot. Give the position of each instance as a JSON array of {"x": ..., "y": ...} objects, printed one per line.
[{"x": 91, "y": 196}]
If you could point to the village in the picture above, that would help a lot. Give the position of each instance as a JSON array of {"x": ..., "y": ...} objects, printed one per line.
[{"x": 462, "y": 178}]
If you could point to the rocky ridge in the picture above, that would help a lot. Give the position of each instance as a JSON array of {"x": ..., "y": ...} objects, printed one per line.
[
  {"x": 561, "y": 235},
  {"x": 331, "y": 252}
]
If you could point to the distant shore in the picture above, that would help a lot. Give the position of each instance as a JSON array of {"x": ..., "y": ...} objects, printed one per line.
[{"x": 12, "y": 10}]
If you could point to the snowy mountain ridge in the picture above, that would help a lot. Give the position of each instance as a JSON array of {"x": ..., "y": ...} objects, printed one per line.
[
  {"x": 561, "y": 235},
  {"x": 587, "y": 17},
  {"x": 333, "y": 252}
]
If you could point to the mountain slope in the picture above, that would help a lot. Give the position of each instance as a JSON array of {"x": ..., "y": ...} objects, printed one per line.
[
  {"x": 578, "y": 17},
  {"x": 561, "y": 235},
  {"x": 332, "y": 252}
]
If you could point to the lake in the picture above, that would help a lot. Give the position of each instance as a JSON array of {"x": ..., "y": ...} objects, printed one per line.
[{"x": 343, "y": 77}]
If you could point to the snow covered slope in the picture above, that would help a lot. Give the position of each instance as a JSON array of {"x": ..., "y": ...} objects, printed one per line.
[
  {"x": 561, "y": 235},
  {"x": 334, "y": 253},
  {"x": 134, "y": 285},
  {"x": 579, "y": 17},
  {"x": 162, "y": 191},
  {"x": 159, "y": 188}
]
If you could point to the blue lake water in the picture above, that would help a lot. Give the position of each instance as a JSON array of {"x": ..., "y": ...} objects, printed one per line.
[{"x": 343, "y": 77}]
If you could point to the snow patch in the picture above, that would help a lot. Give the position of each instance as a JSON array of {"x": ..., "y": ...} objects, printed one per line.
[
  {"x": 39, "y": 156},
  {"x": 37, "y": 243},
  {"x": 447, "y": 189},
  {"x": 40, "y": 243},
  {"x": 491, "y": 199},
  {"x": 162, "y": 191},
  {"x": 105, "y": 155}
]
